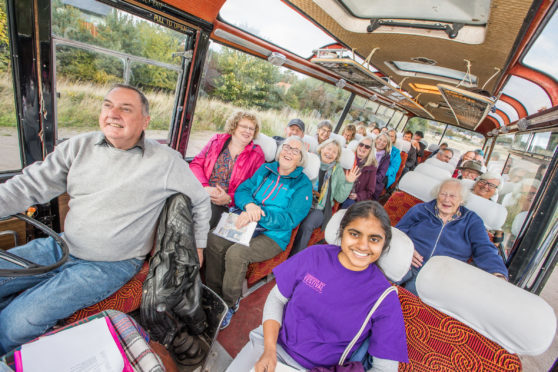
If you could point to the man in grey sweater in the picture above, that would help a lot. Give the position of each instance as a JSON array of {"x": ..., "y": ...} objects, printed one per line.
[{"x": 118, "y": 182}]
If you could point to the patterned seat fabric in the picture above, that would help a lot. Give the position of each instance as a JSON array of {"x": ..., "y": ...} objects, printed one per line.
[
  {"x": 398, "y": 204},
  {"x": 437, "y": 342},
  {"x": 259, "y": 270},
  {"x": 126, "y": 299},
  {"x": 404, "y": 157}
]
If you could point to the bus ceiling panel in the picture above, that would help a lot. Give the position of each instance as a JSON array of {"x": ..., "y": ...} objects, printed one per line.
[
  {"x": 469, "y": 108},
  {"x": 505, "y": 22},
  {"x": 488, "y": 124},
  {"x": 497, "y": 117},
  {"x": 204, "y": 9},
  {"x": 502, "y": 115},
  {"x": 532, "y": 96}
]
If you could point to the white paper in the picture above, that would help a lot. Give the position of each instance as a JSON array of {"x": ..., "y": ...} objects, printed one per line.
[
  {"x": 88, "y": 347},
  {"x": 226, "y": 229}
]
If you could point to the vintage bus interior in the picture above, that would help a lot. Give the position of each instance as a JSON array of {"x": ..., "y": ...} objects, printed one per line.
[{"x": 478, "y": 75}]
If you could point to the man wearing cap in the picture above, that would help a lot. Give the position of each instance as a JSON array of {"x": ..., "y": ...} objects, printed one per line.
[
  {"x": 470, "y": 170},
  {"x": 295, "y": 127}
]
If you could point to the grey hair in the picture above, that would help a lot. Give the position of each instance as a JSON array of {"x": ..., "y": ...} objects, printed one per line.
[
  {"x": 492, "y": 176},
  {"x": 327, "y": 142},
  {"x": 462, "y": 189},
  {"x": 325, "y": 123},
  {"x": 303, "y": 152},
  {"x": 142, "y": 97}
]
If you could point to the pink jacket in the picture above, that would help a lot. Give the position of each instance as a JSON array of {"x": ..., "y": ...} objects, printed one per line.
[{"x": 247, "y": 162}]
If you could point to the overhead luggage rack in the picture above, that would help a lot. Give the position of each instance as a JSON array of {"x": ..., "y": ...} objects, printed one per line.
[
  {"x": 469, "y": 108},
  {"x": 338, "y": 61}
]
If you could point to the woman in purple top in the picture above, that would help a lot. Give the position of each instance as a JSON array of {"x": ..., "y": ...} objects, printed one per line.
[
  {"x": 322, "y": 297},
  {"x": 382, "y": 144},
  {"x": 365, "y": 185}
]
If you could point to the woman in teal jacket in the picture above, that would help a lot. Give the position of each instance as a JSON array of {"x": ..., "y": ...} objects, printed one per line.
[
  {"x": 278, "y": 196},
  {"x": 333, "y": 184}
]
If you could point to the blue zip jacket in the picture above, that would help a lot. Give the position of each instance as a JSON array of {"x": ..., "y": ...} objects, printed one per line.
[
  {"x": 286, "y": 200},
  {"x": 394, "y": 163},
  {"x": 462, "y": 238}
]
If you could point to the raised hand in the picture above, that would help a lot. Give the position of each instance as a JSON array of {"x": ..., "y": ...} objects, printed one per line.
[{"x": 352, "y": 175}]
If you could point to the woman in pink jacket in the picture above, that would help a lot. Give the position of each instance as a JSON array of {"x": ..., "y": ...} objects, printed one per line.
[{"x": 227, "y": 160}]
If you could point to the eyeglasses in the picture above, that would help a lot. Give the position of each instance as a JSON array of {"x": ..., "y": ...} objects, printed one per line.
[
  {"x": 367, "y": 147},
  {"x": 448, "y": 196},
  {"x": 483, "y": 183},
  {"x": 291, "y": 150},
  {"x": 250, "y": 129}
]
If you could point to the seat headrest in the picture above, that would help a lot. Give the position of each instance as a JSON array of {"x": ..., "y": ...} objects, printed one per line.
[
  {"x": 268, "y": 145},
  {"x": 433, "y": 171},
  {"x": 492, "y": 214},
  {"x": 403, "y": 145},
  {"x": 518, "y": 222},
  {"x": 440, "y": 164},
  {"x": 433, "y": 147},
  {"x": 311, "y": 142},
  {"x": 418, "y": 185},
  {"x": 353, "y": 145},
  {"x": 347, "y": 158},
  {"x": 517, "y": 320},
  {"x": 312, "y": 167},
  {"x": 395, "y": 262},
  {"x": 339, "y": 138},
  {"x": 358, "y": 136}
]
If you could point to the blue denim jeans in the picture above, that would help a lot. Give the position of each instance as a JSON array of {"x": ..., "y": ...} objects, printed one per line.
[
  {"x": 408, "y": 281},
  {"x": 49, "y": 297}
]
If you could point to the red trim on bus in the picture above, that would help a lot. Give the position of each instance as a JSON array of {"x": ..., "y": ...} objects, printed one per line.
[
  {"x": 204, "y": 9},
  {"x": 517, "y": 106},
  {"x": 544, "y": 81},
  {"x": 487, "y": 125},
  {"x": 504, "y": 116}
]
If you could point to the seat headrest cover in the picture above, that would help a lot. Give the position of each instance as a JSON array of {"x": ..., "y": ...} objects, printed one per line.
[
  {"x": 312, "y": 143},
  {"x": 418, "y": 185},
  {"x": 517, "y": 320},
  {"x": 433, "y": 171},
  {"x": 433, "y": 147},
  {"x": 353, "y": 145},
  {"x": 339, "y": 138},
  {"x": 395, "y": 262},
  {"x": 268, "y": 145},
  {"x": 312, "y": 168},
  {"x": 403, "y": 145},
  {"x": 347, "y": 159},
  {"x": 358, "y": 137},
  {"x": 440, "y": 164},
  {"x": 493, "y": 214}
]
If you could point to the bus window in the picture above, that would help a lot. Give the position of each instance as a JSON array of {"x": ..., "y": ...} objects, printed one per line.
[
  {"x": 9, "y": 144},
  {"x": 97, "y": 46},
  {"x": 233, "y": 80}
]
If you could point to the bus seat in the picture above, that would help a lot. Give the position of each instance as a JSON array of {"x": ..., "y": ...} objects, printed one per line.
[
  {"x": 312, "y": 167},
  {"x": 455, "y": 158},
  {"x": 418, "y": 185},
  {"x": 347, "y": 159},
  {"x": 404, "y": 157},
  {"x": 433, "y": 171},
  {"x": 518, "y": 222},
  {"x": 395, "y": 263},
  {"x": 312, "y": 143},
  {"x": 414, "y": 188},
  {"x": 353, "y": 145},
  {"x": 339, "y": 138},
  {"x": 259, "y": 270},
  {"x": 268, "y": 146},
  {"x": 426, "y": 155},
  {"x": 404, "y": 146},
  {"x": 432, "y": 147},
  {"x": 358, "y": 136},
  {"x": 516, "y": 319},
  {"x": 493, "y": 214},
  {"x": 440, "y": 164}
]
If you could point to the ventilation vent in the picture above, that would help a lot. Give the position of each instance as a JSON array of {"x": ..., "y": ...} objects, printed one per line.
[{"x": 424, "y": 60}]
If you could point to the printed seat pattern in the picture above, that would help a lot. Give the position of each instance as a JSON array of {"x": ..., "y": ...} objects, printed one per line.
[{"x": 398, "y": 204}]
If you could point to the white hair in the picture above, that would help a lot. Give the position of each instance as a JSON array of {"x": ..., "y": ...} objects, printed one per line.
[
  {"x": 303, "y": 152},
  {"x": 463, "y": 190},
  {"x": 492, "y": 176}
]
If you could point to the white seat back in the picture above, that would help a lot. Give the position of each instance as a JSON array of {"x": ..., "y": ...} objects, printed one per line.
[
  {"x": 339, "y": 138},
  {"x": 493, "y": 214},
  {"x": 353, "y": 145},
  {"x": 519, "y": 321},
  {"x": 268, "y": 145},
  {"x": 312, "y": 167},
  {"x": 455, "y": 158},
  {"x": 395, "y": 262},
  {"x": 311, "y": 142},
  {"x": 433, "y": 171},
  {"x": 403, "y": 145},
  {"x": 347, "y": 159},
  {"x": 433, "y": 147},
  {"x": 440, "y": 164},
  {"x": 358, "y": 137},
  {"x": 418, "y": 185}
]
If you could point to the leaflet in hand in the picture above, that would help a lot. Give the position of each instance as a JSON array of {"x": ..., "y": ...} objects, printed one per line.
[{"x": 226, "y": 229}]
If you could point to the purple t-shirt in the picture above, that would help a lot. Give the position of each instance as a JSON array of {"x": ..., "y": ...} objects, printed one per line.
[{"x": 328, "y": 304}]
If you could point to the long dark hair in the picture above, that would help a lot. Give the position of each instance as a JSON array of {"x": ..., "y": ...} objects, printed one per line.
[{"x": 365, "y": 209}]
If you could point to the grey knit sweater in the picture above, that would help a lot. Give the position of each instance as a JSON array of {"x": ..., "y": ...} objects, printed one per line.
[{"x": 116, "y": 195}]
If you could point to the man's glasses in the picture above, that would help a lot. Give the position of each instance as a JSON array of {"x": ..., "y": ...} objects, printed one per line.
[
  {"x": 291, "y": 150},
  {"x": 491, "y": 186},
  {"x": 367, "y": 147}
]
